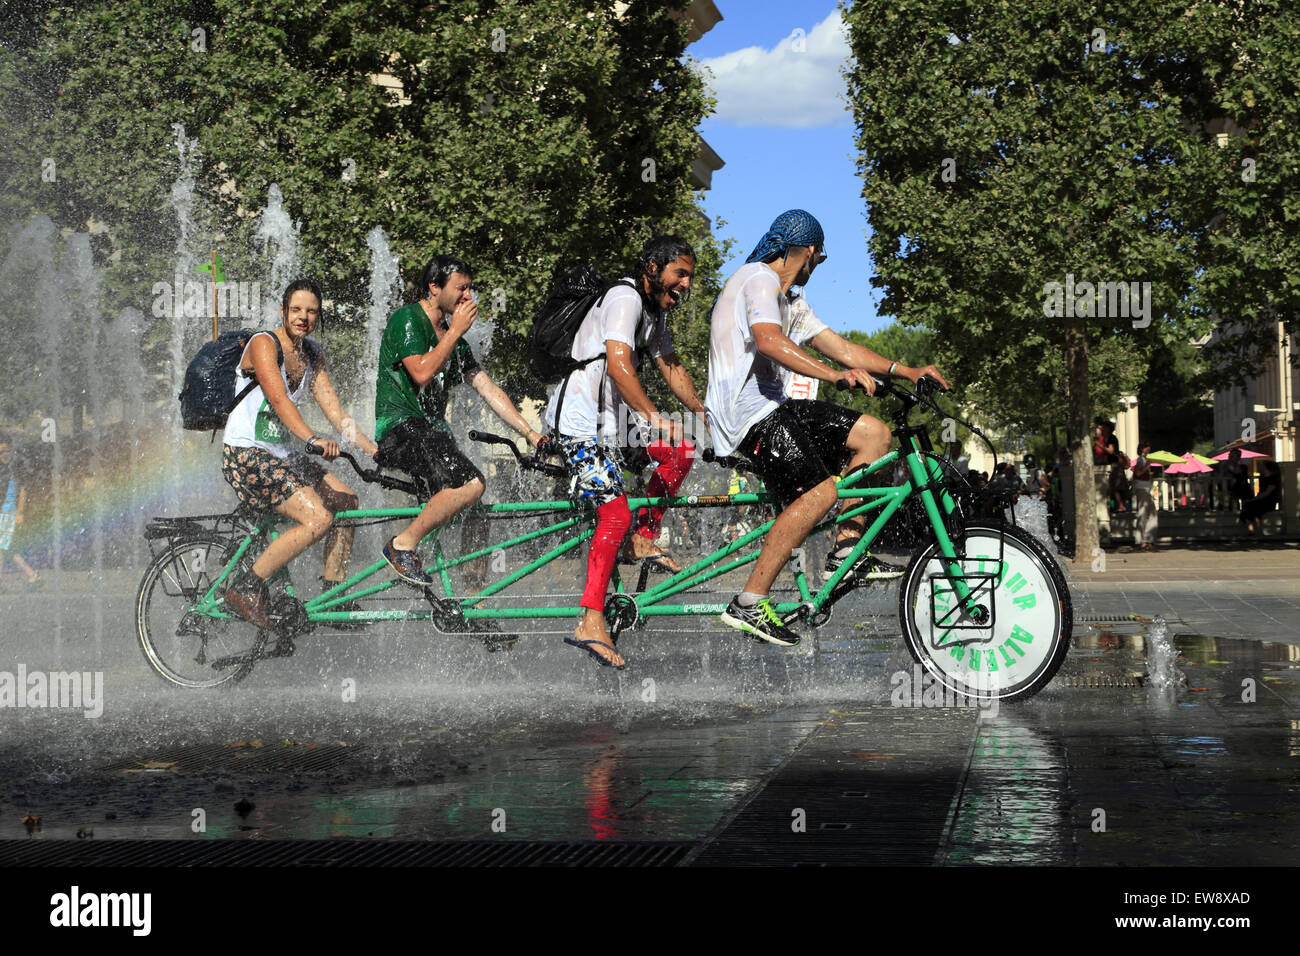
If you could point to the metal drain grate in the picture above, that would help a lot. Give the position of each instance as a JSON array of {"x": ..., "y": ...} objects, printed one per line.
[
  {"x": 307, "y": 853},
  {"x": 1086, "y": 680},
  {"x": 246, "y": 758}
]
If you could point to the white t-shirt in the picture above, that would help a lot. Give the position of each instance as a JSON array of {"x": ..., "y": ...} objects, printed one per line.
[
  {"x": 744, "y": 387},
  {"x": 803, "y": 326},
  {"x": 253, "y": 422},
  {"x": 616, "y": 319}
]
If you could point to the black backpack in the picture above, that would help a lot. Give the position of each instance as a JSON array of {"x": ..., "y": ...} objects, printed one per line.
[
  {"x": 208, "y": 391},
  {"x": 550, "y": 344}
]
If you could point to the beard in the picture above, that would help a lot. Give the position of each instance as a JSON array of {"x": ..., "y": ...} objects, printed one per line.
[{"x": 658, "y": 288}]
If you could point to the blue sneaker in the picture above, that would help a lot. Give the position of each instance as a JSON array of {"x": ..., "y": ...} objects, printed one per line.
[{"x": 407, "y": 565}]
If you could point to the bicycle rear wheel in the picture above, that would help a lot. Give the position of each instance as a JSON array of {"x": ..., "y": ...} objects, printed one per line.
[
  {"x": 1018, "y": 644},
  {"x": 185, "y": 648}
]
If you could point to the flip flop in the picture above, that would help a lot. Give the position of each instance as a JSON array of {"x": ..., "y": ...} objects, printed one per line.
[{"x": 586, "y": 646}]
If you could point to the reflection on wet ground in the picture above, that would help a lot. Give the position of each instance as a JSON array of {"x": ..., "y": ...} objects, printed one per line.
[{"x": 1148, "y": 748}]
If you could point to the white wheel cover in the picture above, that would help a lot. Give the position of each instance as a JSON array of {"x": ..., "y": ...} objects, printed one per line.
[{"x": 1026, "y": 618}]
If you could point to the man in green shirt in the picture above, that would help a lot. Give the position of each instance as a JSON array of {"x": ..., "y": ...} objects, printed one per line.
[{"x": 422, "y": 356}]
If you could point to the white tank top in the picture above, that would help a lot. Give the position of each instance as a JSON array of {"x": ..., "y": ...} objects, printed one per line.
[{"x": 253, "y": 423}]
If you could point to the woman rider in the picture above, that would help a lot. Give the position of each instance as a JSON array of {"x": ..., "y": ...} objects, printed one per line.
[{"x": 265, "y": 472}]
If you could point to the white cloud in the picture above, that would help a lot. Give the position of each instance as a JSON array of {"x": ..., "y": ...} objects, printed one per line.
[{"x": 797, "y": 84}]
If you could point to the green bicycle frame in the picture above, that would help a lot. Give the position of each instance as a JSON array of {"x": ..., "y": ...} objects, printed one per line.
[{"x": 924, "y": 478}]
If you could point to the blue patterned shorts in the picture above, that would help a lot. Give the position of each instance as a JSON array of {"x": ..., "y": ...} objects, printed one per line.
[{"x": 596, "y": 471}]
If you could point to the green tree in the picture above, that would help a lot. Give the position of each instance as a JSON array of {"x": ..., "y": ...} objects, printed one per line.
[
  {"x": 1175, "y": 412},
  {"x": 522, "y": 136},
  {"x": 1016, "y": 157}
]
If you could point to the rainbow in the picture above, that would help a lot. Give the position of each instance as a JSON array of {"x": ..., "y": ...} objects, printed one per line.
[{"x": 122, "y": 495}]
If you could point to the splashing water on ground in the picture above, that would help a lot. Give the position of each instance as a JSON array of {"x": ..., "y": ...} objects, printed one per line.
[{"x": 1163, "y": 675}]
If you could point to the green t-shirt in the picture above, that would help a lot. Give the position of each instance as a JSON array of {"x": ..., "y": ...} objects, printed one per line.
[{"x": 409, "y": 332}]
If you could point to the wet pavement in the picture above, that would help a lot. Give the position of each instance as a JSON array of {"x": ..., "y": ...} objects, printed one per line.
[{"x": 1154, "y": 745}]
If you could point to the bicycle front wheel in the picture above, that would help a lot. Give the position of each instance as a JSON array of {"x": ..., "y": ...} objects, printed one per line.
[
  {"x": 1016, "y": 640},
  {"x": 185, "y": 648}
]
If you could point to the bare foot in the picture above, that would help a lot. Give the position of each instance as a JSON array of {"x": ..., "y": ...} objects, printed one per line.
[{"x": 641, "y": 547}]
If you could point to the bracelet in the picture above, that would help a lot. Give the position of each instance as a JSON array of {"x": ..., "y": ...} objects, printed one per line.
[{"x": 892, "y": 366}]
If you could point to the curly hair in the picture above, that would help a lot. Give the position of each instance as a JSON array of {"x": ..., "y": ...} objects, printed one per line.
[{"x": 660, "y": 250}]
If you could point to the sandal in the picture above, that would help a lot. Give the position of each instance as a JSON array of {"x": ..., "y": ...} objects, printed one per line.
[{"x": 586, "y": 646}]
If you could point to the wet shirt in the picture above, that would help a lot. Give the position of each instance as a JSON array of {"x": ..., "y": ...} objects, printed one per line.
[
  {"x": 253, "y": 423},
  {"x": 409, "y": 332},
  {"x": 619, "y": 317},
  {"x": 744, "y": 387},
  {"x": 802, "y": 327}
]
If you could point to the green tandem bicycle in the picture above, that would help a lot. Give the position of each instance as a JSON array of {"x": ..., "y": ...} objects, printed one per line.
[{"x": 982, "y": 605}]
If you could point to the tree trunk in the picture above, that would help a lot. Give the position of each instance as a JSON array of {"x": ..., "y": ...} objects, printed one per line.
[{"x": 1086, "y": 540}]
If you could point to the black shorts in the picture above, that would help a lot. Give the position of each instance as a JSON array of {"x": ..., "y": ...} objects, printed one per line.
[
  {"x": 428, "y": 454},
  {"x": 799, "y": 446}
]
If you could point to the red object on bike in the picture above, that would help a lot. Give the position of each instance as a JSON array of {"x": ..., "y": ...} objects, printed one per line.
[
  {"x": 674, "y": 465},
  {"x": 612, "y": 522}
]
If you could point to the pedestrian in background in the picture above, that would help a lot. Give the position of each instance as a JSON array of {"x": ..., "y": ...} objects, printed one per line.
[
  {"x": 11, "y": 510},
  {"x": 1144, "y": 529},
  {"x": 1270, "y": 493}
]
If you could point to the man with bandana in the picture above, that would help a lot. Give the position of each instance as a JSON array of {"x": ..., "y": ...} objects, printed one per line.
[{"x": 796, "y": 446}]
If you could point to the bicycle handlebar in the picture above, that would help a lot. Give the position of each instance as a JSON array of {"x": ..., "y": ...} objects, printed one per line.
[
  {"x": 925, "y": 387},
  {"x": 533, "y": 463},
  {"x": 370, "y": 475}
]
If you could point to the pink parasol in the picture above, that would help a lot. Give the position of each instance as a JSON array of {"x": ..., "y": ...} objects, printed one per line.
[
  {"x": 1188, "y": 466},
  {"x": 1244, "y": 455}
]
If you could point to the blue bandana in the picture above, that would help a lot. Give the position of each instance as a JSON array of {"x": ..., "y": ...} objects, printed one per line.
[{"x": 794, "y": 227}]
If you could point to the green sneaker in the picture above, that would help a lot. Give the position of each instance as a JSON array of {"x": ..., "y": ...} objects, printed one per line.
[
  {"x": 868, "y": 568},
  {"x": 761, "y": 620}
]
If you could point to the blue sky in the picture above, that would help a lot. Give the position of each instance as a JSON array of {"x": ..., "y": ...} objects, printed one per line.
[{"x": 800, "y": 156}]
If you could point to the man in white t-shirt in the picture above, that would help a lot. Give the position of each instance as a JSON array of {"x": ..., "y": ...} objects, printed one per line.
[
  {"x": 587, "y": 407},
  {"x": 796, "y": 446}
]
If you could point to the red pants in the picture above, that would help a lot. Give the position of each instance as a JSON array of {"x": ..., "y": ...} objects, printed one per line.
[
  {"x": 674, "y": 465},
  {"x": 613, "y": 518},
  {"x": 612, "y": 521}
]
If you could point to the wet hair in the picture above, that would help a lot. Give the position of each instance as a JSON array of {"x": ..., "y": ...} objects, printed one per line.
[
  {"x": 660, "y": 250},
  {"x": 441, "y": 268},
  {"x": 301, "y": 285}
]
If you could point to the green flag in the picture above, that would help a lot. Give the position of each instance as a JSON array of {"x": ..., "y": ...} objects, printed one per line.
[{"x": 207, "y": 267}]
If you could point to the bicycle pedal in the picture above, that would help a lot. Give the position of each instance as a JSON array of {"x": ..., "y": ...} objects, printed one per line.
[
  {"x": 496, "y": 643},
  {"x": 284, "y": 647},
  {"x": 191, "y": 625}
]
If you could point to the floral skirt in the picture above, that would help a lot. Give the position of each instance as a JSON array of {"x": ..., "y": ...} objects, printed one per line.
[{"x": 263, "y": 481}]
